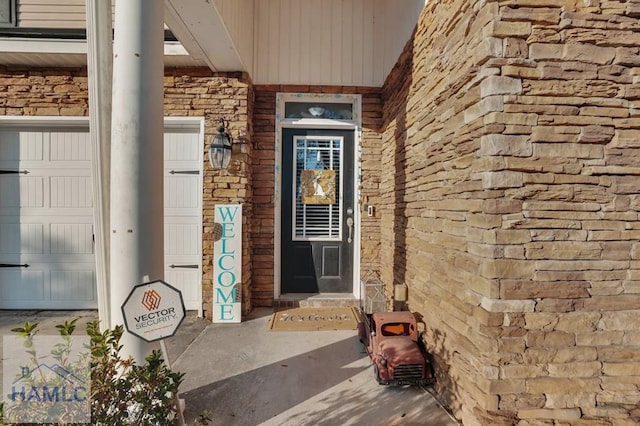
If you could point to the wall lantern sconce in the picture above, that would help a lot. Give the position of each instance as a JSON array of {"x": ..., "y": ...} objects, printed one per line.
[{"x": 220, "y": 147}]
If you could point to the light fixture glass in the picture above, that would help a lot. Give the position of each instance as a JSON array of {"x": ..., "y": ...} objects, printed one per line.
[{"x": 220, "y": 147}]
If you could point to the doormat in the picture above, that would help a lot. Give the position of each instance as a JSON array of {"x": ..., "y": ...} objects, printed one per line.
[{"x": 313, "y": 319}]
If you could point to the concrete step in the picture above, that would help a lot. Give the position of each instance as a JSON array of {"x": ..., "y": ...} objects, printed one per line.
[{"x": 305, "y": 300}]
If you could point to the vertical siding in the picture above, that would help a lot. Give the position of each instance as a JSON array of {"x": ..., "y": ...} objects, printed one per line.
[
  {"x": 238, "y": 19},
  {"x": 275, "y": 41},
  {"x": 333, "y": 42},
  {"x": 394, "y": 26}
]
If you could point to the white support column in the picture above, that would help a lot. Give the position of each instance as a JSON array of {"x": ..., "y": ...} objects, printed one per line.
[
  {"x": 99, "y": 65},
  {"x": 137, "y": 219}
]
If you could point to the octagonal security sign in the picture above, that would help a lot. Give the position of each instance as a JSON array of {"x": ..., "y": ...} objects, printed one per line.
[{"x": 153, "y": 310}]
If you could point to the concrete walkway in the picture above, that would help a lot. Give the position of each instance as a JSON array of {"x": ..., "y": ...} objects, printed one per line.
[{"x": 243, "y": 374}]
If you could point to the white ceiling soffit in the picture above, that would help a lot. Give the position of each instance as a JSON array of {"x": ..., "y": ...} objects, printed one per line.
[
  {"x": 202, "y": 31},
  {"x": 73, "y": 53}
]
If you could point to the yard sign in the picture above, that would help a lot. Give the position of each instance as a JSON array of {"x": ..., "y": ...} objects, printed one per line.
[{"x": 227, "y": 263}]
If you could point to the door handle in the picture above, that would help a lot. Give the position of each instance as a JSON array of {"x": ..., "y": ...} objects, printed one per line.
[
  {"x": 184, "y": 172},
  {"x": 350, "y": 225},
  {"x": 14, "y": 172},
  {"x": 184, "y": 266}
]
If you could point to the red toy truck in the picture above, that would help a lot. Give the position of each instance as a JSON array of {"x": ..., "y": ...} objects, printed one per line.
[{"x": 391, "y": 340}]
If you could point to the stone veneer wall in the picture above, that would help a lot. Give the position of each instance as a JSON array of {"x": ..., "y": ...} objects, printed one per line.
[
  {"x": 510, "y": 190},
  {"x": 264, "y": 180},
  {"x": 189, "y": 92},
  {"x": 201, "y": 93}
]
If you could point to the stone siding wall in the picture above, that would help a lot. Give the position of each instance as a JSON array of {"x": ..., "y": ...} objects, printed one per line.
[
  {"x": 510, "y": 190},
  {"x": 189, "y": 92},
  {"x": 201, "y": 93},
  {"x": 264, "y": 147},
  {"x": 264, "y": 179},
  {"x": 53, "y": 92}
]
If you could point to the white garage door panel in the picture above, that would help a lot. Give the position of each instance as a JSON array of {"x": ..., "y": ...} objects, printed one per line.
[
  {"x": 46, "y": 218},
  {"x": 77, "y": 286},
  {"x": 181, "y": 192},
  {"x": 71, "y": 238},
  {"x": 70, "y": 146},
  {"x": 42, "y": 286},
  {"x": 21, "y": 145},
  {"x": 182, "y": 257},
  {"x": 20, "y": 238},
  {"x": 38, "y": 189},
  {"x": 182, "y": 145},
  {"x": 23, "y": 191},
  {"x": 70, "y": 192},
  {"x": 20, "y": 286},
  {"x": 181, "y": 239},
  {"x": 182, "y": 215},
  {"x": 182, "y": 280}
]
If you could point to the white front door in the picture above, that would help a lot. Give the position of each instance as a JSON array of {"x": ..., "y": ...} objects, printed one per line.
[{"x": 46, "y": 232}]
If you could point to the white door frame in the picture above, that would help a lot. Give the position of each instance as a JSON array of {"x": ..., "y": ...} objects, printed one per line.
[
  {"x": 354, "y": 124},
  {"x": 193, "y": 123}
]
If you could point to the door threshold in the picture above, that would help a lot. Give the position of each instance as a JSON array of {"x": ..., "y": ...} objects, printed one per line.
[{"x": 313, "y": 300}]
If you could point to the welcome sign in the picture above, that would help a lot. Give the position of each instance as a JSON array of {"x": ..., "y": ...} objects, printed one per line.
[{"x": 227, "y": 263}]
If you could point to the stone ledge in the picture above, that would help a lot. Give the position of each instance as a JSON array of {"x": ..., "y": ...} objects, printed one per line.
[
  {"x": 498, "y": 305},
  {"x": 551, "y": 414}
]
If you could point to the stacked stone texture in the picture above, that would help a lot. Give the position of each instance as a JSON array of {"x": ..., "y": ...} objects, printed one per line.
[
  {"x": 199, "y": 92},
  {"x": 264, "y": 180},
  {"x": 43, "y": 92},
  {"x": 189, "y": 92},
  {"x": 262, "y": 237},
  {"x": 510, "y": 184}
]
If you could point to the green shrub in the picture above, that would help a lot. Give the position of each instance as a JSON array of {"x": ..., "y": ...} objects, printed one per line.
[{"x": 122, "y": 393}]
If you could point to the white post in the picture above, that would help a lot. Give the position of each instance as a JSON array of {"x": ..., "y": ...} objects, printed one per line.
[
  {"x": 99, "y": 67},
  {"x": 137, "y": 219}
]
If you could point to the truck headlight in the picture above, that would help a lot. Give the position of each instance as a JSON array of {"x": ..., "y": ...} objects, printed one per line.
[{"x": 383, "y": 362}]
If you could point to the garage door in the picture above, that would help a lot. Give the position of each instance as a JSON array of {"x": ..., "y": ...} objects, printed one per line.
[
  {"x": 46, "y": 231},
  {"x": 183, "y": 214}
]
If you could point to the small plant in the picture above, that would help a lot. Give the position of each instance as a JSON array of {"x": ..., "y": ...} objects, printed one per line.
[
  {"x": 122, "y": 392},
  {"x": 48, "y": 386},
  {"x": 203, "y": 419},
  {"x": 125, "y": 393}
]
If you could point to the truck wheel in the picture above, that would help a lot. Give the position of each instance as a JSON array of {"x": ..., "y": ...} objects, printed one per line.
[{"x": 376, "y": 373}]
